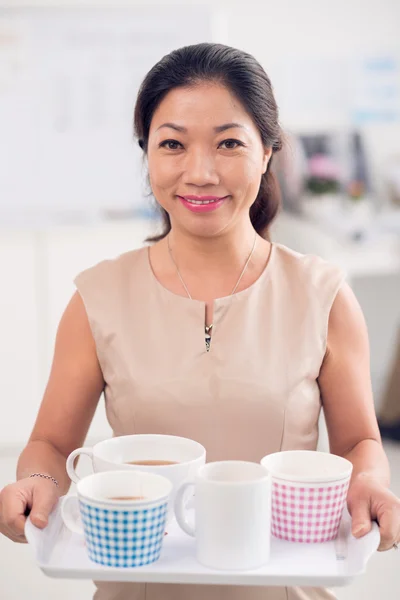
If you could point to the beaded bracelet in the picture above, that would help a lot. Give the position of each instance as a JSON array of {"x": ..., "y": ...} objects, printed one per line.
[{"x": 45, "y": 477}]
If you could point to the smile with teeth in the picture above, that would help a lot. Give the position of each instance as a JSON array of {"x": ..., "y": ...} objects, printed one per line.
[{"x": 203, "y": 201}]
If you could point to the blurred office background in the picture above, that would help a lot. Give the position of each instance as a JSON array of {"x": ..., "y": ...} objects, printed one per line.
[{"x": 73, "y": 185}]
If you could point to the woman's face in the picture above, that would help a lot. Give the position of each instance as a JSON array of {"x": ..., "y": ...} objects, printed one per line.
[{"x": 205, "y": 159}]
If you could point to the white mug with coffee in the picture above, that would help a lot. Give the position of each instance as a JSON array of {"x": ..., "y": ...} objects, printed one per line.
[
  {"x": 232, "y": 515},
  {"x": 174, "y": 457}
]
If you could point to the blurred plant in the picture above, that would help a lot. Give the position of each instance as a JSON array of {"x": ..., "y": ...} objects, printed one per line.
[{"x": 323, "y": 175}]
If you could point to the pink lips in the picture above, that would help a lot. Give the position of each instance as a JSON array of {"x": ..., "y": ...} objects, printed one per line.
[{"x": 202, "y": 204}]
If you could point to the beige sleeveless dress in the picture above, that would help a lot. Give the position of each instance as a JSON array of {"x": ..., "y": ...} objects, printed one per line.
[{"x": 255, "y": 391}]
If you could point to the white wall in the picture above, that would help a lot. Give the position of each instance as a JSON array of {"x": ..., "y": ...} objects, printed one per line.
[{"x": 20, "y": 338}]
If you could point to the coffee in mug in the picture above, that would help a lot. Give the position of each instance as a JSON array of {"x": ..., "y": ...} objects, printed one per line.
[
  {"x": 118, "y": 530},
  {"x": 185, "y": 457},
  {"x": 124, "y": 498},
  {"x": 152, "y": 463}
]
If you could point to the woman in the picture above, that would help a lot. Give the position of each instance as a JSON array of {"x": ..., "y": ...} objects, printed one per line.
[{"x": 213, "y": 333}]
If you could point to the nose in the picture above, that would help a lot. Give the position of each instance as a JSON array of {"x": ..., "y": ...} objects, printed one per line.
[{"x": 200, "y": 169}]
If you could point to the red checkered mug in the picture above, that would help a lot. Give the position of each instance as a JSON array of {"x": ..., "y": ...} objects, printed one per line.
[{"x": 309, "y": 491}]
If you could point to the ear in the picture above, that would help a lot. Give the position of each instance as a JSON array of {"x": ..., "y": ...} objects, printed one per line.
[{"x": 266, "y": 159}]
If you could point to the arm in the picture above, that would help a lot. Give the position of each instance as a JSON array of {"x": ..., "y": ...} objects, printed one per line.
[
  {"x": 346, "y": 390},
  {"x": 353, "y": 431},
  {"x": 70, "y": 399}
]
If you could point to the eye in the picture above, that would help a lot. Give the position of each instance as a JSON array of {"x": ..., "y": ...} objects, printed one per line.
[
  {"x": 231, "y": 144},
  {"x": 170, "y": 145}
]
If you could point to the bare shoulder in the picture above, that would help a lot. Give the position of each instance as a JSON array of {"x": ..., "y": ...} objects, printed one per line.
[
  {"x": 344, "y": 379},
  {"x": 347, "y": 331},
  {"x": 74, "y": 335},
  {"x": 75, "y": 322}
]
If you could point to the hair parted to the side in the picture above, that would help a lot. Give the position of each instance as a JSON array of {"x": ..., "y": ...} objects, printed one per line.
[{"x": 243, "y": 75}]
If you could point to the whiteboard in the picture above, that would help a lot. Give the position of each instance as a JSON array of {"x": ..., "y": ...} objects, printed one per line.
[
  {"x": 68, "y": 84},
  {"x": 317, "y": 92}
]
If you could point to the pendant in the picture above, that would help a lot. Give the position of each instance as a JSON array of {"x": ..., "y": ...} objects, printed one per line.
[
  {"x": 208, "y": 343},
  {"x": 208, "y": 336}
]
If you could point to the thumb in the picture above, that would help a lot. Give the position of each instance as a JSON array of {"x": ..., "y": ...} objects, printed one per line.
[
  {"x": 361, "y": 519},
  {"x": 43, "y": 502}
]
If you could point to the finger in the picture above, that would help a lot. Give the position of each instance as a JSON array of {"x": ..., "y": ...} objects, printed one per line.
[
  {"x": 19, "y": 539},
  {"x": 389, "y": 528},
  {"x": 13, "y": 513},
  {"x": 43, "y": 502},
  {"x": 361, "y": 519},
  {"x": 6, "y": 531}
]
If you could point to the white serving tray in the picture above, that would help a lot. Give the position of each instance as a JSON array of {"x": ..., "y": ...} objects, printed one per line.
[{"x": 60, "y": 553}]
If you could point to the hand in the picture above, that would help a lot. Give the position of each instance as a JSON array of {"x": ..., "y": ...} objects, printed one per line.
[
  {"x": 368, "y": 499},
  {"x": 34, "y": 494}
]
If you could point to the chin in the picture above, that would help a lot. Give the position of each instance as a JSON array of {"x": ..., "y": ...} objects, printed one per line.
[
  {"x": 203, "y": 225},
  {"x": 206, "y": 230}
]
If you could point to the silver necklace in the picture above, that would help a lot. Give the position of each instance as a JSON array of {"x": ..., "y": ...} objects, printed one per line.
[{"x": 209, "y": 327}]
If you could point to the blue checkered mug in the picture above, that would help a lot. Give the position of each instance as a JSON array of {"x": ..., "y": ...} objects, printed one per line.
[{"x": 122, "y": 515}]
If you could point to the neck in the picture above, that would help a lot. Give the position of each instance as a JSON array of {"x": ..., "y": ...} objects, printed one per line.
[{"x": 228, "y": 250}]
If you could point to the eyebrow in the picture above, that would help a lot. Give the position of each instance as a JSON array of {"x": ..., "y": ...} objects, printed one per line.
[{"x": 218, "y": 129}]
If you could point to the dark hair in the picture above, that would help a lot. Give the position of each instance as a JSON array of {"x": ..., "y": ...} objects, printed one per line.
[{"x": 243, "y": 75}]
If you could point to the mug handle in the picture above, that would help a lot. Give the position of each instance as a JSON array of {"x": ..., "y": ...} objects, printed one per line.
[
  {"x": 180, "y": 509},
  {"x": 73, "y": 475},
  {"x": 69, "y": 510}
]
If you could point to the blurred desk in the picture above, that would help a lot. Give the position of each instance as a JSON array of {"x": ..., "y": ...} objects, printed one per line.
[
  {"x": 374, "y": 258},
  {"x": 376, "y": 254}
]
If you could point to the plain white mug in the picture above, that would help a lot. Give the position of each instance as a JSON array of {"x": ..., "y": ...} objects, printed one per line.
[
  {"x": 232, "y": 515},
  {"x": 115, "y": 454}
]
